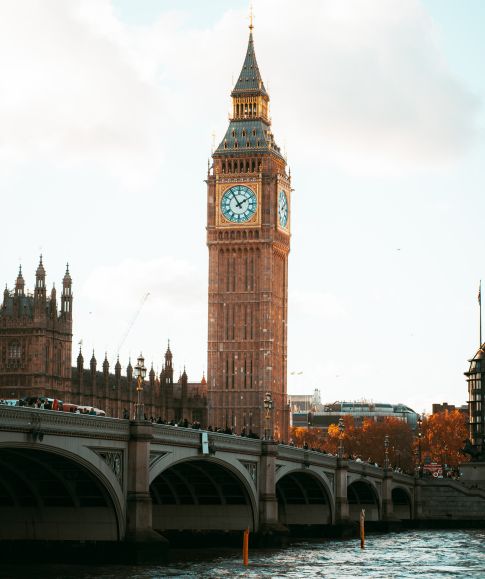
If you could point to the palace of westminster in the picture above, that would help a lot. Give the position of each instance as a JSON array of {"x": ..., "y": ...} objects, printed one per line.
[{"x": 248, "y": 238}]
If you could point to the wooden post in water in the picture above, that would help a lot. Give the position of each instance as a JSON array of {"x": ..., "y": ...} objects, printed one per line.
[
  {"x": 246, "y": 547},
  {"x": 362, "y": 529}
]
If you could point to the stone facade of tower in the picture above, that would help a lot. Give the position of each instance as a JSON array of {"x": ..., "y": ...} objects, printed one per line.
[
  {"x": 36, "y": 339},
  {"x": 248, "y": 236}
]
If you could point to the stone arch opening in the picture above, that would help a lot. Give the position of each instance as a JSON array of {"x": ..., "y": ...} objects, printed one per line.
[
  {"x": 362, "y": 495},
  {"x": 200, "y": 495},
  {"x": 47, "y": 496},
  {"x": 401, "y": 503},
  {"x": 303, "y": 500}
]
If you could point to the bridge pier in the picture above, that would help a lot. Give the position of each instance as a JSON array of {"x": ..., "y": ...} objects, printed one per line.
[
  {"x": 341, "y": 501},
  {"x": 271, "y": 531},
  {"x": 146, "y": 545},
  {"x": 387, "y": 503}
]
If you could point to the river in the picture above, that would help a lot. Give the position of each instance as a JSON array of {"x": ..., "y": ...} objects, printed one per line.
[{"x": 423, "y": 554}]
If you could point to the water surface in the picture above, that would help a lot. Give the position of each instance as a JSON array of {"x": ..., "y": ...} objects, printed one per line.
[{"x": 454, "y": 554}]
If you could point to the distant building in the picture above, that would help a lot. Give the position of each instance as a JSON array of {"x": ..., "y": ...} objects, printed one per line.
[
  {"x": 331, "y": 413},
  {"x": 305, "y": 402},
  {"x": 476, "y": 406},
  {"x": 445, "y": 407}
]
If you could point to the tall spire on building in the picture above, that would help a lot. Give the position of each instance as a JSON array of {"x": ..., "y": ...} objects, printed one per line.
[{"x": 249, "y": 81}]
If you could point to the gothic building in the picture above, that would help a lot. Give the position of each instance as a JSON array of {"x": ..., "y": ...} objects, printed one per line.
[
  {"x": 36, "y": 338},
  {"x": 162, "y": 396},
  {"x": 35, "y": 360},
  {"x": 248, "y": 236}
]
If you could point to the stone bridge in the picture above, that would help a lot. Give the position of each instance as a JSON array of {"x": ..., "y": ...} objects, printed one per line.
[{"x": 86, "y": 478}]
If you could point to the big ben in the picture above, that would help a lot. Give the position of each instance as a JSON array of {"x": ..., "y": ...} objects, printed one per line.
[{"x": 248, "y": 236}]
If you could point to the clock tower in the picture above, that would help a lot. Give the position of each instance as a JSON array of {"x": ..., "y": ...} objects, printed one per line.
[{"x": 248, "y": 236}]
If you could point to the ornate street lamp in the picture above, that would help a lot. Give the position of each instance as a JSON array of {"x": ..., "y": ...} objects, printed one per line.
[
  {"x": 341, "y": 427},
  {"x": 268, "y": 407},
  {"x": 386, "y": 451},
  {"x": 139, "y": 372}
]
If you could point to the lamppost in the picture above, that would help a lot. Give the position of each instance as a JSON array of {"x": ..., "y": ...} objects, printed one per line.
[
  {"x": 444, "y": 460},
  {"x": 341, "y": 428},
  {"x": 140, "y": 372},
  {"x": 420, "y": 434},
  {"x": 268, "y": 407},
  {"x": 386, "y": 452}
]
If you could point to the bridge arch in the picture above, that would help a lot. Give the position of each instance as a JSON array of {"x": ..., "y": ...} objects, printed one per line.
[
  {"x": 304, "y": 498},
  {"x": 402, "y": 504},
  {"x": 362, "y": 494},
  {"x": 49, "y": 493},
  {"x": 202, "y": 493}
]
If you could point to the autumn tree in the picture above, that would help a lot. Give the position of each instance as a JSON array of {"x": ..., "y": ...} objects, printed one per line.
[{"x": 443, "y": 436}]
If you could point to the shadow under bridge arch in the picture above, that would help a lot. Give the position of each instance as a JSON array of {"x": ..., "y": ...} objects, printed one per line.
[
  {"x": 201, "y": 495},
  {"x": 362, "y": 495},
  {"x": 303, "y": 500},
  {"x": 401, "y": 503},
  {"x": 50, "y": 497}
]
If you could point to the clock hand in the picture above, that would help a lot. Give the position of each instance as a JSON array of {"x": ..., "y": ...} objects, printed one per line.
[{"x": 238, "y": 204}]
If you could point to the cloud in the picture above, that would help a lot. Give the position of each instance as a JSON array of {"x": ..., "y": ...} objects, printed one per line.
[
  {"x": 70, "y": 93},
  {"x": 363, "y": 85},
  {"x": 172, "y": 284}
]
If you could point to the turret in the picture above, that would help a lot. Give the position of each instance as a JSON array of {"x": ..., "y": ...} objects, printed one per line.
[
  {"x": 66, "y": 299},
  {"x": 19, "y": 284},
  {"x": 6, "y": 295},
  {"x": 118, "y": 370},
  {"x": 184, "y": 380},
  {"x": 151, "y": 376},
  {"x": 92, "y": 365},
  {"x": 106, "y": 369},
  {"x": 168, "y": 365},
  {"x": 80, "y": 371},
  {"x": 80, "y": 362},
  {"x": 53, "y": 303},
  {"x": 129, "y": 372},
  {"x": 94, "y": 385},
  {"x": 40, "y": 290}
]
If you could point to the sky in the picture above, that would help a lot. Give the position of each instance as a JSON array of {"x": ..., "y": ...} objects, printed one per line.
[{"x": 109, "y": 110}]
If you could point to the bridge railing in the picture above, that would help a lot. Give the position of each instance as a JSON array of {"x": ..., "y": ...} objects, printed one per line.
[
  {"x": 54, "y": 422},
  {"x": 295, "y": 454},
  {"x": 180, "y": 436}
]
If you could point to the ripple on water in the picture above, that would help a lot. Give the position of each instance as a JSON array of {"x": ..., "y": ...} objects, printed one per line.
[{"x": 423, "y": 554}]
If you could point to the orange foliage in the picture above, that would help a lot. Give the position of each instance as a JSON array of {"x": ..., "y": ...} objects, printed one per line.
[
  {"x": 442, "y": 438},
  {"x": 443, "y": 435}
]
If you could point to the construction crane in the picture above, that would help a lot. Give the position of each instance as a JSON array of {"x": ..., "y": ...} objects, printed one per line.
[{"x": 133, "y": 320}]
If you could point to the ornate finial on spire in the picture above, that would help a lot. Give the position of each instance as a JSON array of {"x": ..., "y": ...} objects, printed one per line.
[
  {"x": 251, "y": 16},
  {"x": 20, "y": 270},
  {"x": 67, "y": 267},
  {"x": 40, "y": 263}
]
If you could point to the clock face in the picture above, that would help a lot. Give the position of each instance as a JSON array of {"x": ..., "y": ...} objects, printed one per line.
[
  {"x": 283, "y": 209},
  {"x": 238, "y": 204}
]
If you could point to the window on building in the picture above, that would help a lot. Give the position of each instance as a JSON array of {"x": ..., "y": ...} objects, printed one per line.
[{"x": 14, "y": 351}]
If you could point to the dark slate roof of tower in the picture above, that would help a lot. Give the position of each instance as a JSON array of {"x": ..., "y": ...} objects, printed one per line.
[
  {"x": 249, "y": 80},
  {"x": 251, "y": 135}
]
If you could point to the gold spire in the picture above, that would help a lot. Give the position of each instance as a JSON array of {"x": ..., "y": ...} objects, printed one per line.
[{"x": 251, "y": 26}]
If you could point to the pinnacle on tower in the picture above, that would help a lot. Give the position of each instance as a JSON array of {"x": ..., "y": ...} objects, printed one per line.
[
  {"x": 67, "y": 280},
  {"x": 19, "y": 283},
  {"x": 249, "y": 81},
  {"x": 40, "y": 272}
]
